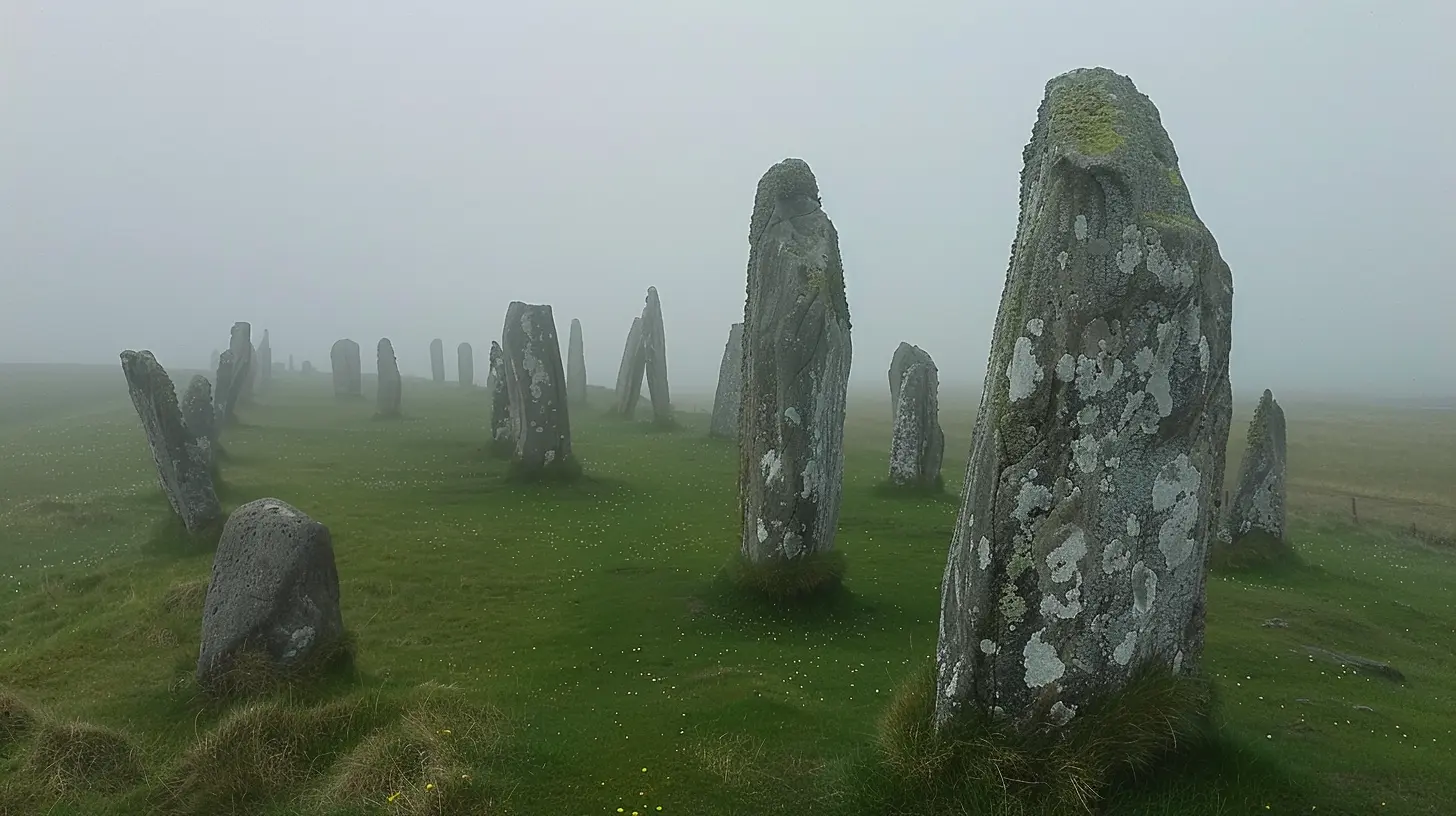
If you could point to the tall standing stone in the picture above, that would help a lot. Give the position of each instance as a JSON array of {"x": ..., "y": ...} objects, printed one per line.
[
  {"x": 629, "y": 375},
  {"x": 390, "y": 386},
  {"x": 502, "y": 434},
  {"x": 905, "y": 356},
  {"x": 265, "y": 362},
  {"x": 727, "y": 399},
  {"x": 220, "y": 396},
  {"x": 465, "y": 361},
  {"x": 348, "y": 376},
  {"x": 1079, "y": 554},
  {"x": 917, "y": 444},
  {"x": 437, "y": 360},
  {"x": 576, "y": 366},
  {"x": 199, "y": 416},
  {"x": 274, "y": 594},
  {"x": 250, "y": 379},
  {"x": 1259, "y": 503},
  {"x": 290, "y": 362},
  {"x": 654, "y": 358},
  {"x": 536, "y": 383},
  {"x": 232, "y": 391},
  {"x": 182, "y": 462},
  {"x": 795, "y": 373}
]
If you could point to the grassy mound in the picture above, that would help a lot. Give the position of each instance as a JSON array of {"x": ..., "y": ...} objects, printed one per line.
[
  {"x": 17, "y": 719},
  {"x": 66, "y": 758}
]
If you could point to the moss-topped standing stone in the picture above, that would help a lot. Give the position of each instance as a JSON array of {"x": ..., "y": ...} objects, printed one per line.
[{"x": 1079, "y": 553}]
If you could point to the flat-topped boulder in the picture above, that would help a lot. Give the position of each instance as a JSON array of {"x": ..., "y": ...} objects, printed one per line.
[
  {"x": 183, "y": 459},
  {"x": 273, "y": 602},
  {"x": 729, "y": 394}
]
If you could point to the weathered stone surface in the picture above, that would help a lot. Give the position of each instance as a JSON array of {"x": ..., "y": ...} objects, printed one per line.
[
  {"x": 348, "y": 374},
  {"x": 198, "y": 415},
  {"x": 576, "y": 366},
  {"x": 917, "y": 444},
  {"x": 1259, "y": 502},
  {"x": 224, "y": 380},
  {"x": 265, "y": 362},
  {"x": 290, "y": 362},
  {"x": 796, "y": 357},
  {"x": 465, "y": 364},
  {"x": 502, "y": 433},
  {"x": 250, "y": 380},
  {"x": 905, "y": 356},
  {"x": 231, "y": 391},
  {"x": 654, "y": 358},
  {"x": 629, "y": 375},
  {"x": 437, "y": 360},
  {"x": 729, "y": 396},
  {"x": 536, "y": 384},
  {"x": 1079, "y": 554},
  {"x": 274, "y": 592},
  {"x": 182, "y": 462},
  {"x": 390, "y": 386}
]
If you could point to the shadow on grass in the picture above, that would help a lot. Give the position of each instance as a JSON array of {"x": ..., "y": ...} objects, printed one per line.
[
  {"x": 810, "y": 592},
  {"x": 169, "y": 538},
  {"x": 1259, "y": 553}
]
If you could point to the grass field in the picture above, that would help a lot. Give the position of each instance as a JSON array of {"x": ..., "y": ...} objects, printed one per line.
[{"x": 568, "y": 650}]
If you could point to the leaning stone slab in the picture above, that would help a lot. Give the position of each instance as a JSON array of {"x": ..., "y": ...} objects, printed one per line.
[
  {"x": 536, "y": 384},
  {"x": 1258, "y": 505},
  {"x": 654, "y": 358},
  {"x": 795, "y": 373},
  {"x": 726, "y": 400},
  {"x": 1079, "y": 556},
  {"x": 437, "y": 360},
  {"x": 502, "y": 430},
  {"x": 390, "y": 386},
  {"x": 465, "y": 364},
  {"x": 629, "y": 375},
  {"x": 348, "y": 376},
  {"x": 182, "y": 460},
  {"x": 231, "y": 392},
  {"x": 274, "y": 595},
  {"x": 917, "y": 444},
  {"x": 576, "y": 366}
]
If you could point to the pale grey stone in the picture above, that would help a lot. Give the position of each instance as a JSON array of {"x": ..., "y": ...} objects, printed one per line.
[
  {"x": 917, "y": 444},
  {"x": 502, "y": 433},
  {"x": 264, "y": 374},
  {"x": 348, "y": 373},
  {"x": 181, "y": 457},
  {"x": 629, "y": 375},
  {"x": 200, "y": 417},
  {"x": 306, "y": 368},
  {"x": 654, "y": 358},
  {"x": 536, "y": 384},
  {"x": 391, "y": 387},
  {"x": 274, "y": 592},
  {"x": 1259, "y": 503},
  {"x": 729, "y": 396},
  {"x": 233, "y": 388},
  {"x": 437, "y": 360},
  {"x": 576, "y": 365},
  {"x": 795, "y": 372},
  {"x": 465, "y": 362},
  {"x": 905, "y": 356},
  {"x": 1079, "y": 553}
]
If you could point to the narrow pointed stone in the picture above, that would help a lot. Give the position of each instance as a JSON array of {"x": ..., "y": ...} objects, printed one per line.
[
  {"x": 795, "y": 372},
  {"x": 576, "y": 365},
  {"x": 1259, "y": 502},
  {"x": 1079, "y": 554},
  {"x": 231, "y": 392},
  {"x": 917, "y": 444},
  {"x": 182, "y": 461},
  {"x": 465, "y": 358},
  {"x": 437, "y": 360},
  {"x": 502, "y": 434},
  {"x": 654, "y": 358},
  {"x": 629, "y": 375},
  {"x": 729, "y": 396},
  {"x": 390, "y": 386},
  {"x": 348, "y": 375},
  {"x": 536, "y": 384}
]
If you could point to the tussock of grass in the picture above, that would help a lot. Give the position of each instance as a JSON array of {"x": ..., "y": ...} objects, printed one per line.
[
  {"x": 72, "y": 757},
  {"x": 252, "y": 673},
  {"x": 1255, "y": 551},
  {"x": 784, "y": 580},
  {"x": 17, "y": 719},
  {"x": 993, "y": 767},
  {"x": 186, "y": 596}
]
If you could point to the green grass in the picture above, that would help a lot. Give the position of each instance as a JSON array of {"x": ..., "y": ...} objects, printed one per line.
[{"x": 578, "y": 641}]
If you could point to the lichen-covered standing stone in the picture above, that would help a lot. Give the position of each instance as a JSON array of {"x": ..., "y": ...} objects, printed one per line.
[
  {"x": 795, "y": 372},
  {"x": 348, "y": 375},
  {"x": 437, "y": 360},
  {"x": 629, "y": 375},
  {"x": 502, "y": 433},
  {"x": 536, "y": 383},
  {"x": 390, "y": 386},
  {"x": 654, "y": 358},
  {"x": 727, "y": 399},
  {"x": 1079, "y": 552},
  {"x": 199, "y": 416},
  {"x": 465, "y": 364},
  {"x": 182, "y": 460},
  {"x": 905, "y": 356},
  {"x": 1259, "y": 502},
  {"x": 274, "y": 593},
  {"x": 576, "y": 366},
  {"x": 917, "y": 444}
]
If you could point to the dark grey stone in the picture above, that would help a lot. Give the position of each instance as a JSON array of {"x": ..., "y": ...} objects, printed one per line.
[
  {"x": 182, "y": 460},
  {"x": 654, "y": 358},
  {"x": 348, "y": 374},
  {"x": 200, "y": 417},
  {"x": 235, "y": 387},
  {"x": 437, "y": 360},
  {"x": 265, "y": 362},
  {"x": 536, "y": 383},
  {"x": 629, "y": 375},
  {"x": 465, "y": 364},
  {"x": 1259, "y": 502},
  {"x": 905, "y": 356},
  {"x": 729, "y": 396},
  {"x": 390, "y": 386},
  {"x": 576, "y": 366},
  {"x": 917, "y": 444},
  {"x": 502, "y": 433}
]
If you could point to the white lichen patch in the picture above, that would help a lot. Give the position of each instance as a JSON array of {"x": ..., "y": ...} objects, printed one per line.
[
  {"x": 1032, "y": 496},
  {"x": 773, "y": 467},
  {"x": 1203, "y": 354},
  {"x": 1043, "y": 666},
  {"x": 1023, "y": 372},
  {"x": 1096, "y": 376},
  {"x": 1144, "y": 588},
  {"x": 1133, "y": 528},
  {"x": 1115, "y": 556},
  {"x": 1088, "y": 415},
  {"x": 1131, "y": 253},
  {"x": 299, "y": 640},
  {"x": 983, "y": 552},
  {"x": 1062, "y": 258},
  {"x": 1062, "y": 561},
  {"x": 1061, "y": 714},
  {"x": 953, "y": 686},
  {"x": 762, "y": 532},
  {"x": 1066, "y": 367},
  {"x": 1175, "y": 490},
  {"x": 1122, "y": 655},
  {"x": 1080, "y": 227},
  {"x": 1143, "y": 360},
  {"x": 1034, "y": 326},
  {"x": 1178, "y": 662},
  {"x": 989, "y": 647},
  {"x": 1084, "y": 453},
  {"x": 791, "y": 415},
  {"x": 793, "y": 545},
  {"x": 1067, "y": 607}
]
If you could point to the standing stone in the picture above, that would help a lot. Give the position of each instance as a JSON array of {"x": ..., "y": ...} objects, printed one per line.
[
  {"x": 274, "y": 594},
  {"x": 220, "y": 396},
  {"x": 1259, "y": 504},
  {"x": 1079, "y": 554},
  {"x": 729, "y": 395},
  {"x": 437, "y": 360},
  {"x": 199, "y": 417},
  {"x": 348, "y": 377},
  {"x": 250, "y": 379},
  {"x": 306, "y": 368},
  {"x": 290, "y": 362},
  {"x": 265, "y": 362},
  {"x": 629, "y": 375},
  {"x": 576, "y": 366},
  {"x": 502, "y": 435},
  {"x": 465, "y": 359},
  {"x": 795, "y": 372},
  {"x": 213, "y": 365},
  {"x": 654, "y": 358},
  {"x": 536, "y": 384},
  {"x": 905, "y": 356},
  {"x": 917, "y": 445},
  {"x": 232, "y": 390},
  {"x": 390, "y": 386},
  {"x": 182, "y": 462}
]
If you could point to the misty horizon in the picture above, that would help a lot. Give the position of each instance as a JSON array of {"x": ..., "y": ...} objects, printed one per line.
[{"x": 339, "y": 172}]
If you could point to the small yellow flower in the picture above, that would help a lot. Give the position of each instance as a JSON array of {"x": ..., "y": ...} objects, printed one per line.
[
  {"x": 444, "y": 730},
  {"x": 429, "y": 786},
  {"x": 644, "y": 770}
]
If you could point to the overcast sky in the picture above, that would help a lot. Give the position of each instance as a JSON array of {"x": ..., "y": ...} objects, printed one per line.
[{"x": 340, "y": 168}]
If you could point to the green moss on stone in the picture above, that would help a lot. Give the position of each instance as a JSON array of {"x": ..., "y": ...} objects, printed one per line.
[
  {"x": 1173, "y": 177},
  {"x": 1084, "y": 114},
  {"x": 1167, "y": 220}
]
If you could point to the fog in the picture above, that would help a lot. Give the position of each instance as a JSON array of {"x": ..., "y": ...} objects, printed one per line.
[{"x": 340, "y": 168}]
